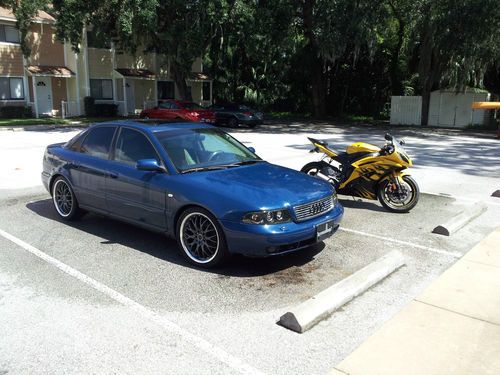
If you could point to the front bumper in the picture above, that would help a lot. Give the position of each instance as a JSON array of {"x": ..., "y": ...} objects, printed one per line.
[{"x": 267, "y": 240}]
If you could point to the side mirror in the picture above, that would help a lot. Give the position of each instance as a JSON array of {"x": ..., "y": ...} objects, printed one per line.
[
  {"x": 402, "y": 142},
  {"x": 251, "y": 149},
  {"x": 150, "y": 165}
]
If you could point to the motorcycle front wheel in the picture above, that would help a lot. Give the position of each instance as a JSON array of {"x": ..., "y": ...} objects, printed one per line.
[{"x": 399, "y": 198}]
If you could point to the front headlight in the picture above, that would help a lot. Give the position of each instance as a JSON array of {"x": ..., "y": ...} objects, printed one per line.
[{"x": 267, "y": 217}]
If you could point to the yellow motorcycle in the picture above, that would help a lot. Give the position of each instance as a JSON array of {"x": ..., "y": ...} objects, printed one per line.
[{"x": 369, "y": 172}]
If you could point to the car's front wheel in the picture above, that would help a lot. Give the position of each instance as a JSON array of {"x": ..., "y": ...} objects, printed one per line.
[
  {"x": 201, "y": 238},
  {"x": 64, "y": 200}
]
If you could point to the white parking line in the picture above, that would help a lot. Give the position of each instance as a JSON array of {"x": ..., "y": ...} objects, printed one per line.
[
  {"x": 218, "y": 353},
  {"x": 454, "y": 254}
]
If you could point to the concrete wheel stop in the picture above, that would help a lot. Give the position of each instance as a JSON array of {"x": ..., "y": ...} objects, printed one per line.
[
  {"x": 306, "y": 315},
  {"x": 460, "y": 220}
]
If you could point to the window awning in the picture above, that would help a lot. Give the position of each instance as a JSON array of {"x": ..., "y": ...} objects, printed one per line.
[
  {"x": 135, "y": 73},
  {"x": 49, "y": 71},
  {"x": 199, "y": 77}
]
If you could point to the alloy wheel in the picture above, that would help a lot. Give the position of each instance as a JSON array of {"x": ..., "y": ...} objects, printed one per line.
[
  {"x": 63, "y": 198},
  {"x": 199, "y": 237}
]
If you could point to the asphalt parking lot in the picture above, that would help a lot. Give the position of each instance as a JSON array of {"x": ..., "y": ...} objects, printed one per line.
[{"x": 135, "y": 305}]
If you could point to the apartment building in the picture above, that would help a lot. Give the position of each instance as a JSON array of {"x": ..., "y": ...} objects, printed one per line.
[{"x": 54, "y": 79}]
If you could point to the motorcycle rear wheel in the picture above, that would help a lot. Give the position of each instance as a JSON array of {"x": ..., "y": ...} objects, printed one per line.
[
  {"x": 399, "y": 201},
  {"x": 317, "y": 167}
]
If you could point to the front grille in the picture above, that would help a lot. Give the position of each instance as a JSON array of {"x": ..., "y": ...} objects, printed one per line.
[{"x": 313, "y": 209}]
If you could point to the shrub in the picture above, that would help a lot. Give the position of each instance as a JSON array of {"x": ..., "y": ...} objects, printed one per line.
[
  {"x": 89, "y": 106},
  {"x": 105, "y": 110},
  {"x": 15, "y": 112}
]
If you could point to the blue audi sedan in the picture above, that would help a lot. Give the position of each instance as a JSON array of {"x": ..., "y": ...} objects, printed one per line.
[{"x": 193, "y": 182}]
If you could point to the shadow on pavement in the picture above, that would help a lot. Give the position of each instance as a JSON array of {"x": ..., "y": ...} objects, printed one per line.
[{"x": 164, "y": 248}]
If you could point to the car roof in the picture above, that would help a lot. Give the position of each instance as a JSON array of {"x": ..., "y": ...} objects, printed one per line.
[{"x": 155, "y": 126}]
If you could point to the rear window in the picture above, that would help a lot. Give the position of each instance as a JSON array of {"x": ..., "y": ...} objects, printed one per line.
[{"x": 98, "y": 142}]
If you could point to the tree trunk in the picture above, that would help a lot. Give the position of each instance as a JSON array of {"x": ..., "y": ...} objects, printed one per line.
[
  {"x": 318, "y": 89},
  {"x": 179, "y": 76},
  {"x": 426, "y": 101},
  {"x": 317, "y": 83},
  {"x": 395, "y": 70}
]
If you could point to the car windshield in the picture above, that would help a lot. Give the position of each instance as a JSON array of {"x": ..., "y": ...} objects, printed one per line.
[
  {"x": 189, "y": 105},
  {"x": 194, "y": 150}
]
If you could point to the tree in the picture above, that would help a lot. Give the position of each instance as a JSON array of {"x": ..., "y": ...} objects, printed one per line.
[
  {"x": 456, "y": 42},
  {"x": 178, "y": 29},
  {"x": 24, "y": 11}
]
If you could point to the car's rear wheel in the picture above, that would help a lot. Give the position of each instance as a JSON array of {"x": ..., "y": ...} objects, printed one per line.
[
  {"x": 64, "y": 200},
  {"x": 201, "y": 238}
]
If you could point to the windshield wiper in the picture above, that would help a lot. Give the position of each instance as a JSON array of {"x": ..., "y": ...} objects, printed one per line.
[
  {"x": 221, "y": 166},
  {"x": 200, "y": 169}
]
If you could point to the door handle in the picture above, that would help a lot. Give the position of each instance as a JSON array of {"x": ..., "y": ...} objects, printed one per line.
[{"x": 113, "y": 175}]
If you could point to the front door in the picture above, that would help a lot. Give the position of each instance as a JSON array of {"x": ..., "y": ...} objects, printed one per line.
[
  {"x": 130, "y": 88},
  {"x": 133, "y": 194},
  {"x": 44, "y": 96}
]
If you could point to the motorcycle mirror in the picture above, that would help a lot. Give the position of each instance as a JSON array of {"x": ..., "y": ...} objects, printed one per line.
[
  {"x": 402, "y": 142},
  {"x": 388, "y": 137}
]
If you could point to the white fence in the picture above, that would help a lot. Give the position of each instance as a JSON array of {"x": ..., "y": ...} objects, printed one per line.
[
  {"x": 69, "y": 109},
  {"x": 446, "y": 108},
  {"x": 406, "y": 110}
]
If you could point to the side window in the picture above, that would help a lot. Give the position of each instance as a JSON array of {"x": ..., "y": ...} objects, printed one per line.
[
  {"x": 132, "y": 146},
  {"x": 76, "y": 144},
  {"x": 98, "y": 142},
  {"x": 174, "y": 106},
  {"x": 164, "y": 105}
]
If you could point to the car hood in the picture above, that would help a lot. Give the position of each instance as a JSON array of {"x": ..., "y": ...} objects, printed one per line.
[{"x": 258, "y": 186}]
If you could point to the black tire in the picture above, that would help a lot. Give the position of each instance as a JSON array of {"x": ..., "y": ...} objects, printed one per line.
[
  {"x": 64, "y": 200},
  {"x": 232, "y": 122},
  {"x": 390, "y": 203},
  {"x": 201, "y": 238},
  {"x": 312, "y": 168},
  {"x": 251, "y": 126}
]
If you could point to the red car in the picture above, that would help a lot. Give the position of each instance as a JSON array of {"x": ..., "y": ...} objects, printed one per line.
[{"x": 179, "y": 110}]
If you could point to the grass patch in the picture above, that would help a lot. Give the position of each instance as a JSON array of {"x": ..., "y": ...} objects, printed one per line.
[
  {"x": 56, "y": 121},
  {"x": 32, "y": 121},
  {"x": 286, "y": 115}
]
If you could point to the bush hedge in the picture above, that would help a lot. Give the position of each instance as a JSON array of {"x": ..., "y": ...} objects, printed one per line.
[
  {"x": 12, "y": 111},
  {"x": 93, "y": 109},
  {"x": 88, "y": 106},
  {"x": 105, "y": 110}
]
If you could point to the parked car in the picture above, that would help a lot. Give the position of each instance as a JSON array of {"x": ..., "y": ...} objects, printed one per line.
[
  {"x": 179, "y": 110},
  {"x": 232, "y": 115},
  {"x": 193, "y": 182}
]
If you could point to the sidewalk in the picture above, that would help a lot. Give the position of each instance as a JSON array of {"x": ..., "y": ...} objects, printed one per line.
[{"x": 453, "y": 327}]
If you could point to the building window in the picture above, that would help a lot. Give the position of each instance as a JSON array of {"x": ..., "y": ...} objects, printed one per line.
[
  {"x": 11, "y": 88},
  {"x": 101, "y": 89},
  {"x": 206, "y": 91},
  {"x": 166, "y": 90},
  {"x": 9, "y": 34}
]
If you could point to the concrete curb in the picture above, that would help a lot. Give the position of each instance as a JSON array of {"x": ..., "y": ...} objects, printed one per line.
[
  {"x": 309, "y": 313},
  {"x": 459, "y": 221}
]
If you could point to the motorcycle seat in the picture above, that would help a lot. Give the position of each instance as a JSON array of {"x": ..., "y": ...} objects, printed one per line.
[{"x": 346, "y": 158}]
